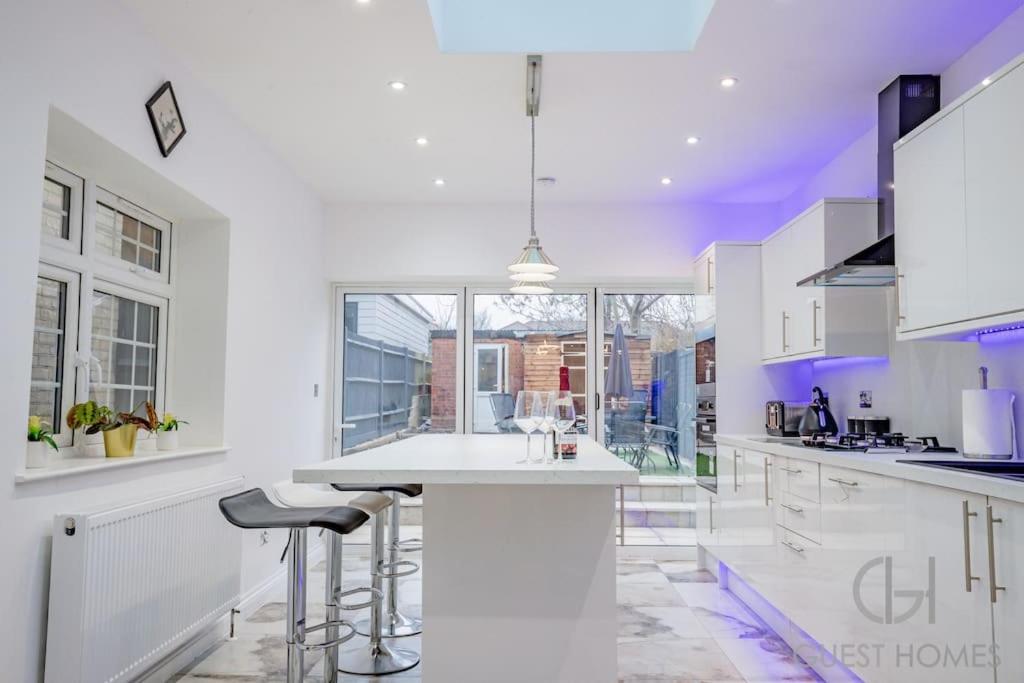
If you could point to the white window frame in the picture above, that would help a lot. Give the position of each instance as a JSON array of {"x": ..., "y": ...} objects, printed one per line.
[
  {"x": 73, "y": 243},
  {"x": 92, "y": 272},
  {"x": 161, "y": 304},
  {"x": 114, "y": 267},
  {"x": 67, "y": 379}
]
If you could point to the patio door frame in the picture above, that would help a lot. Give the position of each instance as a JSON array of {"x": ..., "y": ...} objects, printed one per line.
[
  {"x": 336, "y": 399},
  {"x": 469, "y": 359},
  {"x": 598, "y": 361}
]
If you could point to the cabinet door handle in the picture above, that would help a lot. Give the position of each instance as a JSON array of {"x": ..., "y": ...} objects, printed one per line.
[
  {"x": 899, "y": 296},
  {"x": 785, "y": 344},
  {"x": 968, "y": 577},
  {"x": 793, "y": 508},
  {"x": 711, "y": 515},
  {"x": 993, "y": 587},
  {"x": 790, "y": 470},
  {"x": 735, "y": 470},
  {"x": 767, "y": 497},
  {"x": 815, "y": 340},
  {"x": 793, "y": 546},
  {"x": 843, "y": 482},
  {"x": 711, "y": 286}
]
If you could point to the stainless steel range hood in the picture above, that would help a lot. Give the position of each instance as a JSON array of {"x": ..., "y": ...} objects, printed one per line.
[
  {"x": 904, "y": 104},
  {"x": 874, "y": 266}
]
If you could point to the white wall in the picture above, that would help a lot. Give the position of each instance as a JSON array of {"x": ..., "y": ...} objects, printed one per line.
[
  {"x": 475, "y": 242},
  {"x": 919, "y": 386},
  {"x": 91, "y": 61}
]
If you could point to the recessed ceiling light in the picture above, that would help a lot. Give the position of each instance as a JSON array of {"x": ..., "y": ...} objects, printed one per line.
[
  {"x": 439, "y": 182},
  {"x": 692, "y": 140},
  {"x": 666, "y": 181},
  {"x": 729, "y": 81},
  {"x": 396, "y": 85},
  {"x": 363, "y": 2},
  {"x": 422, "y": 142},
  {"x": 987, "y": 81}
]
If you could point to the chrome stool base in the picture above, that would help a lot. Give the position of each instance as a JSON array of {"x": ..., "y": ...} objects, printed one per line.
[
  {"x": 377, "y": 660},
  {"x": 395, "y": 625}
]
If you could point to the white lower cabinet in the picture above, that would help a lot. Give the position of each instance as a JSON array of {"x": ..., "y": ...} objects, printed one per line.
[
  {"x": 1003, "y": 583},
  {"x": 707, "y": 531}
]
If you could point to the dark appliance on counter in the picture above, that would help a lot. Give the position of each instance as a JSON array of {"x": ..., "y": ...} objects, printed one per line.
[
  {"x": 905, "y": 104},
  {"x": 1004, "y": 470},
  {"x": 817, "y": 420},
  {"x": 782, "y": 418},
  {"x": 706, "y": 426},
  {"x": 863, "y": 424},
  {"x": 878, "y": 443}
]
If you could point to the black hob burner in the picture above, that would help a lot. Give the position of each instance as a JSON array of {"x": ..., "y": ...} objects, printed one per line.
[{"x": 877, "y": 443}]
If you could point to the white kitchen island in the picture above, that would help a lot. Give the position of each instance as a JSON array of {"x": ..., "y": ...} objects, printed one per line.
[{"x": 519, "y": 559}]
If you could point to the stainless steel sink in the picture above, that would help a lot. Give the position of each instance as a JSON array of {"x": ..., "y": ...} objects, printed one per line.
[{"x": 1004, "y": 469}]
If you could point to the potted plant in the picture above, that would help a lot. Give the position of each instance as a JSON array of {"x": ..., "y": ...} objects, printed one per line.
[
  {"x": 119, "y": 430},
  {"x": 39, "y": 439},
  {"x": 167, "y": 432},
  {"x": 88, "y": 417}
]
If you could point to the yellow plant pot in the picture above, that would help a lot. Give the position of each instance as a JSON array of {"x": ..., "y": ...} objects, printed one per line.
[{"x": 120, "y": 442}]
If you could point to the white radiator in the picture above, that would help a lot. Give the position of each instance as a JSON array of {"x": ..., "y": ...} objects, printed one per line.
[{"x": 130, "y": 584}]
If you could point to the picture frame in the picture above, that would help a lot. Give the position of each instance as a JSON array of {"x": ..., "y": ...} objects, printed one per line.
[{"x": 165, "y": 117}]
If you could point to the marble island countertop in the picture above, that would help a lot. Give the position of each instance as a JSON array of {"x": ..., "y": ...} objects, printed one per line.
[
  {"x": 469, "y": 459},
  {"x": 885, "y": 464}
]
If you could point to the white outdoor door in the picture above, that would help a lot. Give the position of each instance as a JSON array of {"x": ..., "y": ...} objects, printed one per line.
[{"x": 490, "y": 377}]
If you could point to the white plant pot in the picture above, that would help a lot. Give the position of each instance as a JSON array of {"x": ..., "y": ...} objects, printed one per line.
[
  {"x": 37, "y": 455},
  {"x": 167, "y": 441}
]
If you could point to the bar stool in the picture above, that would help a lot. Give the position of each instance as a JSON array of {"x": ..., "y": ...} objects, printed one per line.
[
  {"x": 253, "y": 510},
  {"x": 376, "y": 658},
  {"x": 396, "y": 624}
]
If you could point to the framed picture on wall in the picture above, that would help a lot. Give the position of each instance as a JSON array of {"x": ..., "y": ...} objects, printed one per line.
[{"x": 165, "y": 116}]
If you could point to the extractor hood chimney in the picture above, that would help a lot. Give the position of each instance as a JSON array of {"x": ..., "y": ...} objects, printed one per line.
[{"x": 904, "y": 105}]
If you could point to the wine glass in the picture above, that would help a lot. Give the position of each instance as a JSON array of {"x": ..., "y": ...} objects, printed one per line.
[
  {"x": 564, "y": 414},
  {"x": 525, "y": 417},
  {"x": 546, "y": 421}
]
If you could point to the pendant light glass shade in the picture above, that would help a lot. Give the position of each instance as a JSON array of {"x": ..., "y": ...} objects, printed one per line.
[
  {"x": 532, "y": 277},
  {"x": 533, "y": 260},
  {"x": 520, "y": 287}
]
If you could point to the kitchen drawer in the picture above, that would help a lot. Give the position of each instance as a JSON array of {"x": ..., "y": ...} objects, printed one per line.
[
  {"x": 801, "y": 516},
  {"x": 794, "y": 546},
  {"x": 800, "y": 478}
]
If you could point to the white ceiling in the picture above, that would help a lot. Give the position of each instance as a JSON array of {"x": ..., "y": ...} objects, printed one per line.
[{"x": 310, "y": 76}]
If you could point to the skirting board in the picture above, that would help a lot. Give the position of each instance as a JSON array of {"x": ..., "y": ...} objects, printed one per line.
[{"x": 273, "y": 586}]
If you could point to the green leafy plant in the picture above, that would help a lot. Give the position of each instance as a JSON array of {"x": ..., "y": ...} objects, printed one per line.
[
  {"x": 37, "y": 431},
  {"x": 90, "y": 417},
  {"x": 169, "y": 423}
]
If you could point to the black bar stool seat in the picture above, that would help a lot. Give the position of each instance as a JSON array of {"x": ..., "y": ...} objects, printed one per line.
[
  {"x": 409, "y": 490},
  {"x": 253, "y": 510}
]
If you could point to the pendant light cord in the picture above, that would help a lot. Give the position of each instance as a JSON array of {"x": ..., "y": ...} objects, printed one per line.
[{"x": 533, "y": 150}]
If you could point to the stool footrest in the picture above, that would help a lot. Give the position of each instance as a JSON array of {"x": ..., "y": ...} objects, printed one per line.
[
  {"x": 330, "y": 643},
  {"x": 408, "y": 545},
  {"x": 376, "y": 596},
  {"x": 392, "y": 570}
]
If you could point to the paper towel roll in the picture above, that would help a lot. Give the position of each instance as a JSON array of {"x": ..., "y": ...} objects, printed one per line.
[{"x": 988, "y": 423}]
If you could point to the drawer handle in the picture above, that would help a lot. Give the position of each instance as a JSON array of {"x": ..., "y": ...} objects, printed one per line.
[
  {"x": 793, "y": 508},
  {"x": 843, "y": 482},
  {"x": 790, "y": 470},
  {"x": 793, "y": 546}
]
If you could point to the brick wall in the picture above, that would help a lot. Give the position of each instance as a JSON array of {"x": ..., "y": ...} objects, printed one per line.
[{"x": 442, "y": 384}]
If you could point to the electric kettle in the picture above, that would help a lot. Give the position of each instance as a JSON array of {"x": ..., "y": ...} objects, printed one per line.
[{"x": 818, "y": 420}]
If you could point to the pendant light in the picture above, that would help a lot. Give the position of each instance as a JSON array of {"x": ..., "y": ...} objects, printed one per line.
[{"x": 533, "y": 268}]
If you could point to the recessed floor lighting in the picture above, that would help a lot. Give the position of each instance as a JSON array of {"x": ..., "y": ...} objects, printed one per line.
[
  {"x": 692, "y": 140},
  {"x": 666, "y": 181},
  {"x": 396, "y": 85},
  {"x": 422, "y": 142},
  {"x": 729, "y": 81},
  {"x": 439, "y": 182}
]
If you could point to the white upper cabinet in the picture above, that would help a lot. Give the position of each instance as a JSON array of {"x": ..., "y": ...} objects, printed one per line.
[
  {"x": 930, "y": 226},
  {"x": 994, "y": 153},
  {"x": 959, "y": 231},
  {"x": 816, "y": 322}
]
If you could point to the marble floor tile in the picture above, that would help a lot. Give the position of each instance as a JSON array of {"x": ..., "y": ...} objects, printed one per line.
[
  {"x": 766, "y": 659},
  {"x": 262, "y": 656},
  {"x": 658, "y": 623},
  {"x": 648, "y": 594},
  {"x": 683, "y": 659},
  {"x": 640, "y": 572}
]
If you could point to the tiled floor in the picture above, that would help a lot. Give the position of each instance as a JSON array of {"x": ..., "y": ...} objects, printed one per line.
[{"x": 674, "y": 625}]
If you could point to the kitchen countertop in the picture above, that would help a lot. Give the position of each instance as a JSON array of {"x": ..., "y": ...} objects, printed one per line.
[
  {"x": 885, "y": 464},
  {"x": 469, "y": 459}
]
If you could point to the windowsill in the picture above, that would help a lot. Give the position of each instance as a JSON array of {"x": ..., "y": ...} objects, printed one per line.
[{"x": 69, "y": 466}]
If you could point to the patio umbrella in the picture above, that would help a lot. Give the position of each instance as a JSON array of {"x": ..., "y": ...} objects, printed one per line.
[{"x": 618, "y": 381}]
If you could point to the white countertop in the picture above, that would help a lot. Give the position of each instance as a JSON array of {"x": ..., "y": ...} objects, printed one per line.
[
  {"x": 468, "y": 459},
  {"x": 886, "y": 465}
]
